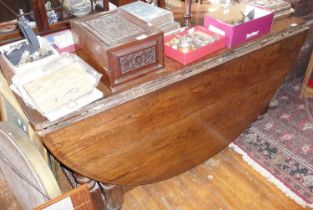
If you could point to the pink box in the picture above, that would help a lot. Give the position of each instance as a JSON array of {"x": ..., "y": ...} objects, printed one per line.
[
  {"x": 186, "y": 58},
  {"x": 238, "y": 34}
]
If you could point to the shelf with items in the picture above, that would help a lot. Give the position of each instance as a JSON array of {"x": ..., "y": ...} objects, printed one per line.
[
  {"x": 45, "y": 16},
  {"x": 63, "y": 10},
  {"x": 10, "y": 13},
  {"x": 307, "y": 84}
]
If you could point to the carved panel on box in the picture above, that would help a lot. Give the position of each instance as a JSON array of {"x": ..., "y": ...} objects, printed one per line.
[
  {"x": 137, "y": 59},
  {"x": 104, "y": 26},
  {"x": 123, "y": 46}
]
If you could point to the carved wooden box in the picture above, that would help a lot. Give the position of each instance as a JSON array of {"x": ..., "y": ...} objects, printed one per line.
[{"x": 120, "y": 46}]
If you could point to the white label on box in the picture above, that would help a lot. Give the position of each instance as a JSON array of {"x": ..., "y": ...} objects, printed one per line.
[
  {"x": 64, "y": 204},
  {"x": 216, "y": 30},
  {"x": 143, "y": 36},
  {"x": 252, "y": 34}
]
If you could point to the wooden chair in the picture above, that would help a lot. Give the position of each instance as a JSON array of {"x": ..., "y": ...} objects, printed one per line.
[{"x": 307, "y": 84}]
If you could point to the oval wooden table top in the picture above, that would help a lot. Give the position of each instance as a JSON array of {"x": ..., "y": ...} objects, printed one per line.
[{"x": 162, "y": 125}]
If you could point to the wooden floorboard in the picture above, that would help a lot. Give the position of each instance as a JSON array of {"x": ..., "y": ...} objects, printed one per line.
[{"x": 225, "y": 182}]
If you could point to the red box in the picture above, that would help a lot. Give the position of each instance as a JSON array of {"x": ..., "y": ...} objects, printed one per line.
[
  {"x": 241, "y": 33},
  {"x": 186, "y": 58}
]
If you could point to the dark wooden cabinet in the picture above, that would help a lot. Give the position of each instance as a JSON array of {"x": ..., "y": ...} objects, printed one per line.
[{"x": 38, "y": 12}]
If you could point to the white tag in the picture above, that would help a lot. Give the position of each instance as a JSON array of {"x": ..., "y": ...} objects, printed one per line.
[
  {"x": 216, "y": 30},
  {"x": 143, "y": 36},
  {"x": 252, "y": 34},
  {"x": 64, "y": 204}
]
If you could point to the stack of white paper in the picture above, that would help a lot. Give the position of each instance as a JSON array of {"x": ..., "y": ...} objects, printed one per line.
[{"x": 59, "y": 87}]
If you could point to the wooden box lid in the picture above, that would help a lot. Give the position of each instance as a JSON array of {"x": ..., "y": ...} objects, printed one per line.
[
  {"x": 119, "y": 45},
  {"x": 116, "y": 28}
]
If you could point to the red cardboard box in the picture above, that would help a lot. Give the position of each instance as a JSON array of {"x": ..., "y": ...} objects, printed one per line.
[{"x": 186, "y": 58}]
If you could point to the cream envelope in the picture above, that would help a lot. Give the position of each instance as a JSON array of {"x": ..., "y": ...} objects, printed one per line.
[{"x": 60, "y": 87}]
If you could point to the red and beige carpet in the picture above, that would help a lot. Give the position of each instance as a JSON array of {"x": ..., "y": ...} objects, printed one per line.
[{"x": 280, "y": 144}]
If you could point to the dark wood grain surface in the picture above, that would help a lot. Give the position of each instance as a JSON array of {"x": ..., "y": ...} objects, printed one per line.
[
  {"x": 161, "y": 125},
  {"x": 172, "y": 129},
  {"x": 172, "y": 73}
]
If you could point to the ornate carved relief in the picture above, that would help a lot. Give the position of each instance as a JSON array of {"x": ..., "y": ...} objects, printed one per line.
[
  {"x": 114, "y": 33},
  {"x": 137, "y": 59}
]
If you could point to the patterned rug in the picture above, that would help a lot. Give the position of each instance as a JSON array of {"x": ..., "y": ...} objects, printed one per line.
[{"x": 280, "y": 144}]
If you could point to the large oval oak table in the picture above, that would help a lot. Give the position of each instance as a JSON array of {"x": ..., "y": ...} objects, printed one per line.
[{"x": 163, "y": 124}]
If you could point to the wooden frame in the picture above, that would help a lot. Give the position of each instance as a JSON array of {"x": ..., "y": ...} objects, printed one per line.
[
  {"x": 80, "y": 198},
  {"x": 3, "y": 110},
  {"x": 307, "y": 91},
  {"x": 2, "y": 114},
  {"x": 19, "y": 156}
]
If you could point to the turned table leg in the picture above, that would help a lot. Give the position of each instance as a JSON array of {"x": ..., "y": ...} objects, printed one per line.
[
  {"x": 113, "y": 195},
  {"x": 105, "y": 196},
  {"x": 95, "y": 190}
]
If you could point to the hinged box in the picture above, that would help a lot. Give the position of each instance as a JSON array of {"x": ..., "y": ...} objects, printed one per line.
[
  {"x": 122, "y": 46},
  {"x": 236, "y": 34}
]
